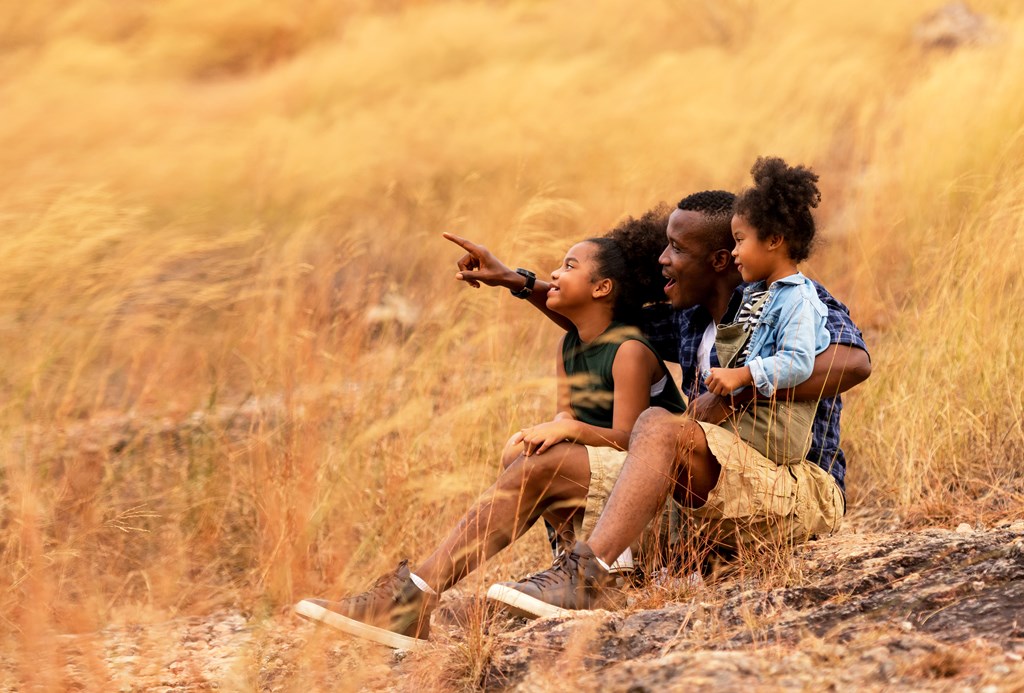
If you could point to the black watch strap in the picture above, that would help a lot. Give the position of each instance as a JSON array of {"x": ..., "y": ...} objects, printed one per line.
[{"x": 527, "y": 290}]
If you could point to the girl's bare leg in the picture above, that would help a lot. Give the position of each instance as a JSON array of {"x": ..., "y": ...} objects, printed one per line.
[{"x": 555, "y": 481}]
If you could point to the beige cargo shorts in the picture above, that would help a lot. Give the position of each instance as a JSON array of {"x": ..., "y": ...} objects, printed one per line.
[{"x": 755, "y": 502}]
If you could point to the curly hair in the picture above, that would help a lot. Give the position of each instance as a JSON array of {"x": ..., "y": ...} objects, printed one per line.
[
  {"x": 716, "y": 206},
  {"x": 628, "y": 255},
  {"x": 780, "y": 203}
]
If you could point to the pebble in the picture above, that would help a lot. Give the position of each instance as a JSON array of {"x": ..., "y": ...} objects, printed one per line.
[
  {"x": 964, "y": 528},
  {"x": 1016, "y": 548},
  {"x": 877, "y": 654}
]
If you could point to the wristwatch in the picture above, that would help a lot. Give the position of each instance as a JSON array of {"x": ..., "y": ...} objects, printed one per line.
[{"x": 527, "y": 290}]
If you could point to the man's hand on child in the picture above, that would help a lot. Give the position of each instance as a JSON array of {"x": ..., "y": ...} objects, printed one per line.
[
  {"x": 723, "y": 381},
  {"x": 479, "y": 266},
  {"x": 537, "y": 439}
]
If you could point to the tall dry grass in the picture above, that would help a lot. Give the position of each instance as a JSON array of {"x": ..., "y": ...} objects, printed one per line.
[{"x": 200, "y": 201}]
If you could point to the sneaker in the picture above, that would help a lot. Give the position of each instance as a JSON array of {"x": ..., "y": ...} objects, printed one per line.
[
  {"x": 576, "y": 581},
  {"x": 394, "y": 612}
]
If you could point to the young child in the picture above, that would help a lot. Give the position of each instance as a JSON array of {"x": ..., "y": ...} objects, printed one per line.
[
  {"x": 608, "y": 373},
  {"x": 780, "y": 326}
]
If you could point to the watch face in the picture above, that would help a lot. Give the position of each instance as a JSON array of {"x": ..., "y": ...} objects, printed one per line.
[{"x": 527, "y": 289}]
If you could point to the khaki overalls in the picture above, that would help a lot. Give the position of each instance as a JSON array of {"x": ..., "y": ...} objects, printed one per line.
[{"x": 779, "y": 430}]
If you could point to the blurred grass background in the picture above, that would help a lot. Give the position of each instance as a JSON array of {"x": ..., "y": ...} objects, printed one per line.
[{"x": 201, "y": 202}]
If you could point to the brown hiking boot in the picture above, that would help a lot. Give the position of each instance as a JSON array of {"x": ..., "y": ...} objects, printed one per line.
[
  {"x": 394, "y": 612},
  {"x": 576, "y": 581}
]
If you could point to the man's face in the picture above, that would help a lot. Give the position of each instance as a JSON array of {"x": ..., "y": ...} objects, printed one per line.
[{"x": 686, "y": 262}]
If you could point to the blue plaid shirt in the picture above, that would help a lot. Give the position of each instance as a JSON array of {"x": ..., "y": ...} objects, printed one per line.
[{"x": 676, "y": 334}]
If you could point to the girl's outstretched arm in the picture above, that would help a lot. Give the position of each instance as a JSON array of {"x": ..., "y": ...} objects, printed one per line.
[{"x": 480, "y": 266}]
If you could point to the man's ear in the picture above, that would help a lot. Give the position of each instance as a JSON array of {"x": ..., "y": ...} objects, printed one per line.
[
  {"x": 602, "y": 288},
  {"x": 721, "y": 260}
]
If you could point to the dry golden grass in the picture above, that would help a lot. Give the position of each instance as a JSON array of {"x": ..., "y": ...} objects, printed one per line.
[{"x": 201, "y": 200}]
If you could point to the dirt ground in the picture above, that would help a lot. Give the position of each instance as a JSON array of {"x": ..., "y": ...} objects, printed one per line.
[{"x": 938, "y": 609}]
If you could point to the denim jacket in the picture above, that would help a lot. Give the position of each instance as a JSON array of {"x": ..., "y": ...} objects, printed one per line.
[
  {"x": 790, "y": 333},
  {"x": 677, "y": 335}
]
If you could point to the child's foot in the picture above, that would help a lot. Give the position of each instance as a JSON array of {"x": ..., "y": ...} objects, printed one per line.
[
  {"x": 394, "y": 612},
  {"x": 576, "y": 581}
]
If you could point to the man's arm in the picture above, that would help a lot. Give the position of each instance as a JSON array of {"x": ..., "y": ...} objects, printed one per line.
[
  {"x": 480, "y": 266},
  {"x": 836, "y": 370},
  {"x": 844, "y": 364}
]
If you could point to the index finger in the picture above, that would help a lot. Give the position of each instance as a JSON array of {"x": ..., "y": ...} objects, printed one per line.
[{"x": 465, "y": 244}]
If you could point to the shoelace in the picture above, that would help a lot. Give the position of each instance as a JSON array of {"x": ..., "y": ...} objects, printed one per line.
[
  {"x": 385, "y": 584},
  {"x": 558, "y": 572}
]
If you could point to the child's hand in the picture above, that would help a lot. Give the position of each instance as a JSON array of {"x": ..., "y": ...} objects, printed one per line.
[
  {"x": 537, "y": 439},
  {"x": 722, "y": 381}
]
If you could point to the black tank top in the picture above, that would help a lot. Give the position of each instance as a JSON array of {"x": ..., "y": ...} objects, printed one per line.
[{"x": 589, "y": 370}]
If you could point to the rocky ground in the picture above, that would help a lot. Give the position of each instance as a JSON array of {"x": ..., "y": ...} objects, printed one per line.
[{"x": 939, "y": 609}]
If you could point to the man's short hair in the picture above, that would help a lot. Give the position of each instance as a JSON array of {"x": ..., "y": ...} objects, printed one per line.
[{"x": 717, "y": 207}]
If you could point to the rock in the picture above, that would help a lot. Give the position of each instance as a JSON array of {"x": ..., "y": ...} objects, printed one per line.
[
  {"x": 1017, "y": 547},
  {"x": 960, "y": 588}
]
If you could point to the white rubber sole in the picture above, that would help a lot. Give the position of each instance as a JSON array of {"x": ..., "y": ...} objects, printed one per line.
[
  {"x": 523, "y": 604},
  {"x": 315, "y": 612}
]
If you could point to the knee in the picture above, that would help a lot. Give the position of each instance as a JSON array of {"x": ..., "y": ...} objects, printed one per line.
[
  {"x": 538, "y": 469},
  {"x": 657, "y": 429},
  {"x": 510, "y": 454},
  {"x": 537, "y": 472},
  {"x": 657, "y": 421}
]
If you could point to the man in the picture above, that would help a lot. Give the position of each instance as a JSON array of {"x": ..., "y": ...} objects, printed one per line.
[
  {"x": 732, "y": 493},
  {"x": 396, "y": 611}
]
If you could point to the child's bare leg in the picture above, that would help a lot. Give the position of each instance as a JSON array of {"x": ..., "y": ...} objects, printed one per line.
[
  {"x": 561, "y": 515},
  {"x": 526, "y": 489}
]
